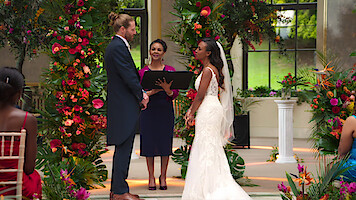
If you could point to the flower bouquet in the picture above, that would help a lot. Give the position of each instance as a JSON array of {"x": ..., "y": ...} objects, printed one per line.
[{"x": 288, "y": 83}]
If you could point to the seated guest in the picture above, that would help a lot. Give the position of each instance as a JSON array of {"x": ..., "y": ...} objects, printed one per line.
[
  {"x": 13, "y": 119},
  {"x": 348, "y": 145}
]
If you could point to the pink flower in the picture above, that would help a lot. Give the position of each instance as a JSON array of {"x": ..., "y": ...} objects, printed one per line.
[
  {"x": 86, "y": 69},
  {"x": 223, "y": 16},
  {"x": 205, "y": 12},
  {"x": 11, "y": 29},
  {"x": 66, "y": 28},
  {"x": 97, "y": 103},
  {"x": 334, "y": 101},
  {"x": 68, "y": 122},
  {"x": 55, "y": 34},
  {"x": 56, "y": 47},
  {"x": 29, "y": 32}
]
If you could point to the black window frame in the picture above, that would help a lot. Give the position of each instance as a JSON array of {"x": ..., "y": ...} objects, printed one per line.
[
  {"x": 142, "y": 13},
  {"x": 280, "y": 7}
]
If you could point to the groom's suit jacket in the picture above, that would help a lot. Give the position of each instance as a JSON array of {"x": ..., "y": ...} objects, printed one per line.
[{"x": 124, "y": 92}]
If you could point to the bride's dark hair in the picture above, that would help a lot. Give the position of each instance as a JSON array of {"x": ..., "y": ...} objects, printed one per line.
[{"x": 215, "y": 58}]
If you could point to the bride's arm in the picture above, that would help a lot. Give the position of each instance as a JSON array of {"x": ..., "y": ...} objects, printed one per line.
[{"x": 203, "y": 86}]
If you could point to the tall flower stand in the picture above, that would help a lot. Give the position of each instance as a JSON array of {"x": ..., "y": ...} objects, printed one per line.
[{"x": 285, "y": 131}]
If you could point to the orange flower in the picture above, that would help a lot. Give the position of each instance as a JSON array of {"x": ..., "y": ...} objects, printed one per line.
[
  {"x": 330, "y": 94},
  {"x": 205, "y": 12}
]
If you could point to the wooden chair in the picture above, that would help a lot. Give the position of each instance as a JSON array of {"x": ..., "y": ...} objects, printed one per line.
[{"x": 10, "y": 137}]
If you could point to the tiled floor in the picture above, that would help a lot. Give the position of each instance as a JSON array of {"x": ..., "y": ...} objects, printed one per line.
[{"x": 265, "y": 175}]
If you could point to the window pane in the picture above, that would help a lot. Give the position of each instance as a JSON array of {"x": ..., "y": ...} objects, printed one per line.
[
  {"x": 281, "y": 65},
  {"x": 306, "y": 29},
  {"x": 131, "y": 3},
  {"x": 136, "y": 44},
  {"x": 284, "y": 28},
  {"x": 262, "y": 46},
  {"x": 257, "y": 69}
]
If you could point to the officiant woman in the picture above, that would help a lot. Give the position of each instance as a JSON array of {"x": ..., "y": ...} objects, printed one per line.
[{"x": 157, "y": 121}]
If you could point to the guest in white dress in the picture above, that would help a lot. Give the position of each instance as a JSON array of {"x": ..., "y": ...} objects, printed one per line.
[{"x": 208, "y": 175}]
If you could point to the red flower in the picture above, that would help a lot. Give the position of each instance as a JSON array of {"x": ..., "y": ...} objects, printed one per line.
[
  {"x": 71, "y": 22},
  {"x": 75, "y": 17},
  {"x": 198, "y": 4},
  {"x": 80, "y": 3},
  {"x": 78, "y": 48},
  {"x": 72, "y": 51},
  {"x": 85, "y": 42},
  {"x": 55, "y": 143},
  {"x": 205, "y": 12},
  {"x": 97, "y": 103},
  {"x": 217, "y": 37},
  {"x": 336, "y": 109},
  {"x": 192, "y": 94},
  {"x": 207, "y": 33},
  {"x": 343, "y": 97},
  {"x": 7, "y": 2},
  {"x": 56, "y": 47},
  {"x": 86, "y": 83},
  {"x": 83, "y": 33}
]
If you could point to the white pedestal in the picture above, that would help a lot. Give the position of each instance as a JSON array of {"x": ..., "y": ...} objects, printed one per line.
[{"x": 285, "y": 131}]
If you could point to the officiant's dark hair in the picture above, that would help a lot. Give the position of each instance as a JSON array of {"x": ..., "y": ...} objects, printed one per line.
[
  {"x": 215, "y": 58},
  {"x": 163, "y": 43}
]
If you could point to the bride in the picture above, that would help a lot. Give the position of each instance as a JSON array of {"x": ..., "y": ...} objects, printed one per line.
[{"x": 208, "y": 175}]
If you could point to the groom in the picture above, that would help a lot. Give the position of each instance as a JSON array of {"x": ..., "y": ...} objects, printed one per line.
[{"x": 125, "y": 97}]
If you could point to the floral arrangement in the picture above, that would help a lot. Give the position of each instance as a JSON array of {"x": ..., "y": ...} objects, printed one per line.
[
  {"x": 21, "y": 27},
  {"x": 250, "y": 20},
  {"x": 288, "y": 82},
  {"x": 74, "y": 119},
  {"x": 325, "y": 188},
  {"x": 197, "y": 19},
  {"x": 331, "y": 100}
]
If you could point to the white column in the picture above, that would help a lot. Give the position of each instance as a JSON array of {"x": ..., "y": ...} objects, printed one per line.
[{"x": 285, "y": 131}]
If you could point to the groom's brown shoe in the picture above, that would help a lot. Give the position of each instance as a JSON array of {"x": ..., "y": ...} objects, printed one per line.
[{"x": 125, "y": 196}]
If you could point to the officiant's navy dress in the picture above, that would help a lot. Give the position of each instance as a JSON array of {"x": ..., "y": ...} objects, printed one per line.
[{"x": 157, "y": 122}]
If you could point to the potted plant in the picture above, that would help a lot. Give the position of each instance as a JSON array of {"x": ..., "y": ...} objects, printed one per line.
[{"x": 242, "y": 105}]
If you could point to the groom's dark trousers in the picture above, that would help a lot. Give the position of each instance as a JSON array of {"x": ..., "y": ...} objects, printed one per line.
[{"x": 123, "y": 109}]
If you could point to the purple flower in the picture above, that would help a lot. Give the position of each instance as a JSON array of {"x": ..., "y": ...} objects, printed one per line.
[
  {"x": 282, "y": 188},
  {"x": 338, "y": 83},
  {"x": 300, "y": 168},
  {"x": 334, "y": 101},
  {"x": 352, "y": 187},
  {"x": 11, "y": 30},
  {"x": 272, "y": 93},
  {"x": 82, "y": 194}
]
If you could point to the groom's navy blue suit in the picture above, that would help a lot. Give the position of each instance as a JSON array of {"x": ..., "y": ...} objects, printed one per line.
[{"x": 124, "y": 97}]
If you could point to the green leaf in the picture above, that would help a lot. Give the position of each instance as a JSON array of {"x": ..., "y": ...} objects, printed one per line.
[{"x": 295, "y": 191}]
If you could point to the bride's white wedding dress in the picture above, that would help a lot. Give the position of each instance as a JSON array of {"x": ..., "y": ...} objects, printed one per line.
[{"x": 208, "y": 175}]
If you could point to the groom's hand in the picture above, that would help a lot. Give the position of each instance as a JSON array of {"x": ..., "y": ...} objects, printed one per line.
[{"x": 145, "y": 101}]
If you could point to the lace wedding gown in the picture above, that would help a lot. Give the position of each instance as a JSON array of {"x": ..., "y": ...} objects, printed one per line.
[{"x": 208, "y": 176}]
